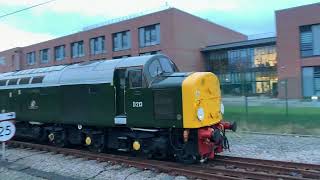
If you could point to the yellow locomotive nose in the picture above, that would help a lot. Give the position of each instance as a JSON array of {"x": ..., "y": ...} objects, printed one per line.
[{"x": 201, "y": 99}]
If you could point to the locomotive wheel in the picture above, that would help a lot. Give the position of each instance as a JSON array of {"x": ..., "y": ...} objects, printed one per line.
[
  {"x": 98, "y": 148},
  {"x": 186, "y": 158},
  {"x": 43, "y": 136},
  {"x": 59, "y": 139},
  {"x": 95, "y": 143}
]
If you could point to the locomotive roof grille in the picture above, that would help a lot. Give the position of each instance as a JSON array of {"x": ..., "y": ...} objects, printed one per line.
[{"x": 90, "y": 72}]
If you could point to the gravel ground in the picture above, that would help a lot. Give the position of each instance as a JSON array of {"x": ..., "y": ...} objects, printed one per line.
[
  {"x": 31, "y": 164},
  {"x": 34, "y": 165},
  {"x": 275, "y": 147}
]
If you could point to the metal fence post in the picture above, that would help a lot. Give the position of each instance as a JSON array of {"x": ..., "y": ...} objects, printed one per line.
[
  {"x": 246, "y": 104},
  {"x": 3, "y": 151},
  {"x": 286, "y": 94}
]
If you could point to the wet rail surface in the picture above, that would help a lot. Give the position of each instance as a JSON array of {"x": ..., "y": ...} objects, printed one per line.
[{"x": 223, "y": 167}]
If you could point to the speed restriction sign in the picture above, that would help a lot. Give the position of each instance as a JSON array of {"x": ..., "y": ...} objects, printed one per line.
[{"x": 7, "y": 130}]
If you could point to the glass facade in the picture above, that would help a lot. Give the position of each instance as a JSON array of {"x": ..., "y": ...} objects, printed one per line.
[
  {"x": 311, "y": 81},
  {"x": 245, "y": 71}
]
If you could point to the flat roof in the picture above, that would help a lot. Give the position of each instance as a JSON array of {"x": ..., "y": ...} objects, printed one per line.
[{"x": 241, "y": 44}]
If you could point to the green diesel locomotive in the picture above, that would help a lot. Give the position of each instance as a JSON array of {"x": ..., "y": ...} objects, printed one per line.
[{"x": 136, "y": 104}]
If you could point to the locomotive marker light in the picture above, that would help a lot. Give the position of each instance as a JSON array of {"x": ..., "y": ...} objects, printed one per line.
[
  {"x": 222, "y": 108},
  {"x": 200, "y": 113},
  {"x": 7, "y": 129}
]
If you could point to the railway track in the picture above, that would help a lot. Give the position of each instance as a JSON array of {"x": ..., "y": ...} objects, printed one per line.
[{"x": 223, "y": 167}]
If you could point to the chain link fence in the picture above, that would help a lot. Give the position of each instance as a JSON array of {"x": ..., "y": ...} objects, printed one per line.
[{"x": 283, "y": 114}]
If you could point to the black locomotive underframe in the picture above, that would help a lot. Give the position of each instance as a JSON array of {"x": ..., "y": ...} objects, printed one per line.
[{"x": 155, "y": 143}]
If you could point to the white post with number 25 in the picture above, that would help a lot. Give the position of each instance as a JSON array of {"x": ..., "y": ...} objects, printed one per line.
[{"x": 7, "y": 129}]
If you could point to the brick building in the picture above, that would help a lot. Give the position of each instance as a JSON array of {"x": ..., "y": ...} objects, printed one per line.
[
  {"x": 298, "y": 47},
  {"x": 172, "y": 32}
]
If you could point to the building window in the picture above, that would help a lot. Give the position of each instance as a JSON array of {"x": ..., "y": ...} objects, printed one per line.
[
  {"x": 310, "y": 40},
  {"x": 2, "y": 61},
  {"x": 149, "y": 35},
  {"x": 31, "y": 58},
  {"x": 316, "y": 75},
  {"x": 97, "y": 45},
  {"x": 44, "y": 55},
  {"x": 311, "y": 81},
  {"x": 150, "y": 53},
  {"x": 121, "y": 41},
  {"x": 77, "y": 49},
  {"x": 59, "y": 52},
  {"x": 119, "y": 57}
]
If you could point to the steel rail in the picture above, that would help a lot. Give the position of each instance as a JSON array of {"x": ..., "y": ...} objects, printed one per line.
[
  {"x": 271, "y": 166},
  {"x": 224, "y": 167}
]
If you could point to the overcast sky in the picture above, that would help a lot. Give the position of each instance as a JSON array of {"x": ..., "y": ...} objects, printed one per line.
[{"x": 63, "y": 17}]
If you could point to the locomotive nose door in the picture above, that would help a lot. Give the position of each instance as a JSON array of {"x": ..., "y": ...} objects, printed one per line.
[
  {"x": 129, "y": 85},
  {"x": 135, "y": 96},
  {"x": 120, "y": 90}
]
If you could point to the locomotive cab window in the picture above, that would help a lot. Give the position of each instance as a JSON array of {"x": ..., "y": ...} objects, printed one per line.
[
  {"x": 160, "y": 66},
  {"x": 135, "y": 78},
  {"x": 155, "y": 68},
  {"x": 166, "y": 65}
]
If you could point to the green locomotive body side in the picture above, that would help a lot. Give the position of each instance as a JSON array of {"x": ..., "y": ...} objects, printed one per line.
[
  {"x": 96, "y": 104},
  {"x": 90, "y": 105}
]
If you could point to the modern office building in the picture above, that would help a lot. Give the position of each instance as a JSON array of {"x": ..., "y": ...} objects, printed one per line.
[
  {"x": 298, "y": 48},
  {"x": 171, "y": 31},
  {"x": 245, "y": 67},
  {"x": 284, "y": 66}
]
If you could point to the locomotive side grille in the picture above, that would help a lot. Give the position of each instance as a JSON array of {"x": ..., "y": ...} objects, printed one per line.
[{"x": 164, "y": 105}]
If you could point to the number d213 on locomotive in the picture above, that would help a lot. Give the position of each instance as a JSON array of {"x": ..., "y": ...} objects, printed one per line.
[{"x": 138, "y": 104}]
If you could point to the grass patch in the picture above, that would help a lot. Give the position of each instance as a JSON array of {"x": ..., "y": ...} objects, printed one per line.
[{"x": 274, "y": 119}]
